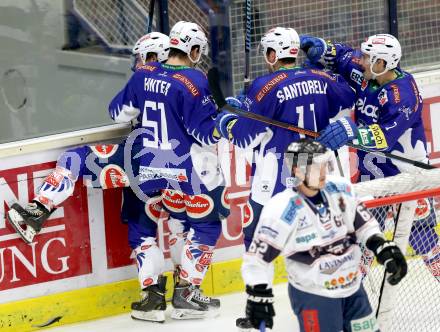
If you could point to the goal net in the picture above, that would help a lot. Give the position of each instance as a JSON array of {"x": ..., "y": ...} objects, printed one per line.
[{"x": 406, "y": 208}]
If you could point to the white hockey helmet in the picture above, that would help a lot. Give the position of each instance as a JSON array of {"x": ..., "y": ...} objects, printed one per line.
[
  {"x": 154, "y": 42},
  {"x": 284, "y": 41},
  {"x": 385, "y": 47},
  {"x": 185, "y": 35}
]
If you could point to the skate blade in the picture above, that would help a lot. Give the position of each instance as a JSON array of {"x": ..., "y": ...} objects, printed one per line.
[
  {"x": 194, "y": 314},
  {"x": 15, "y": 220},
  {"x": 156, "y": 316}
]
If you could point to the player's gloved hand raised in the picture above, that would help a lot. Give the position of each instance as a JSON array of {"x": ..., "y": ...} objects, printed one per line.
[
  {"x": 338, "y": 133},
  {"x": 390, "y": 256},
  {"x": 259, "y": 306},
  {"x": 313, "y": 46}
]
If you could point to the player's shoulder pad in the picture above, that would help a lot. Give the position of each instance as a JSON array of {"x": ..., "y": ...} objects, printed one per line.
[
  {"x": 288, "y": 203},
  {"x": 263, "y": 85},
  {"x": 337, "y": 184}
]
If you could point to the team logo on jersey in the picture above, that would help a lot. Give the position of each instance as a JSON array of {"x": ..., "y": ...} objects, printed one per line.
[
  {"x": 289, "y": 213},
  {"x": 423, "y": 209},
  {"x": 396, "y": 93},
  {"x": 364, "y": 85},
  {"x": 270, "y": 85},
  {"x": 198, "y": 206},
  {"x": 113, "y": 176},
  {"x": 104, "y": 150},
  {"x": 173, "y": 201},
  {"x": 304, "y": 223},
  {"x": 405, "y": 110},
  {"x": 199, "y": 267},
  {"x": 382, "y": 97},
  {"x": 187, "y": 82},
  {"x": 154, "y": 207},
  {"x": 206, "y": 100}
]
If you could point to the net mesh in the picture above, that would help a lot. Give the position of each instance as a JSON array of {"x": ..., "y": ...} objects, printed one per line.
[
  {"x": 419, "y": 32},
  {"x": 118, "y": 23},
  {"x": 416, "y": 296},
  {"x": 121, "y": 23}
]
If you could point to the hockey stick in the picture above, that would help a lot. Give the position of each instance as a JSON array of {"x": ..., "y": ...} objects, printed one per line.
[
  {"x": 150, "y": 16},
  {"x": 247, "y": 44},
  {"x": 213, "y": 79}
]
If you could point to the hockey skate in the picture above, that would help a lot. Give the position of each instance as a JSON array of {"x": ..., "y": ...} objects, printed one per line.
[
  {"x": 28, "y": 221},
  {"x": 152, "y": 305},
  {"x": 190, "y": 303}
]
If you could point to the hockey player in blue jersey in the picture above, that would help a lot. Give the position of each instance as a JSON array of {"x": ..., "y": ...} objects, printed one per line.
[
  {"x": 102, "y": 166},
  {"x": 307, "y": 98},
  {"x": 388, "y": 111},
  {"x": 179, "y": 155},
  {"x": 388, "y": 117}
]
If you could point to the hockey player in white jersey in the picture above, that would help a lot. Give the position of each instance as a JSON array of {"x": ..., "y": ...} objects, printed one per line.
[{"x": 317, "y": 227}]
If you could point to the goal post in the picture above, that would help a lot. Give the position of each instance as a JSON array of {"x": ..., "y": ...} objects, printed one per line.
[{"x": 405, "y": 207}]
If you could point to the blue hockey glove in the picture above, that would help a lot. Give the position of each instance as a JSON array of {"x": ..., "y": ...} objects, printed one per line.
[
  {"x": 224, "y": 122},
  {"x": 235, "y": 101},
  {"x": 338, "y": 133},
  {"x": 313, "y": 46}
]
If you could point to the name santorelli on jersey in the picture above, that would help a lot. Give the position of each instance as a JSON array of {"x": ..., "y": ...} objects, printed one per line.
[{"x": 299, "y": 89}]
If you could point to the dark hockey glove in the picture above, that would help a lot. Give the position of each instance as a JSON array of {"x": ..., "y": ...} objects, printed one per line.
[
  {"x": 259, "y": 306},
  {"x": 389, "y": 255}
]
